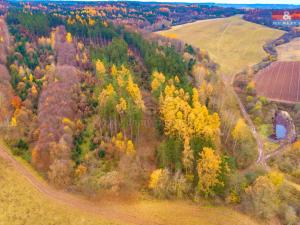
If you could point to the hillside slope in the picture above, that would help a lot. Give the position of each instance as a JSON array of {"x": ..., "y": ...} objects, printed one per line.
[
  {"x": 50, "y": 206},
  {"x": 231, "y": 42}
]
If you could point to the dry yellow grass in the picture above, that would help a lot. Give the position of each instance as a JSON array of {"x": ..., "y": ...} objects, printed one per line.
[
  {"x": 21, "y": 203},
  {"x": 183, "y": 213},
  {"x": 232, "y": 42},
  {"x": 289, "y": 51}
]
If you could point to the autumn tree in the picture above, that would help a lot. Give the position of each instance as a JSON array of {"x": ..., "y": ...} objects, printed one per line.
[
  {"x": 16, "y": 102},
  {"x": 165, "y": 185},
  {"x": 241, "y": 131},
  {"x": 61, "y": 172},
  {"x": 100, "y": 68},
  {"x": 244, "y": 148},
  {"x": 69, "y": 37},
  {"x": 186, "y": 120},
  {"x": 116, "y": 52},
  {"x": 158, "y": 81},
  {"x": 209, "y": 169},
  {"x": 187, "y": 156},
  {"x": 120, "y": 103}
]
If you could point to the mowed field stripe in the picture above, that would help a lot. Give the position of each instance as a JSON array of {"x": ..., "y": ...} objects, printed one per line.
[
  {"x": 277, "y": 75},
  {"x": 266, "y": 77},
  {"x": 291, "y": 77},
  {"x": 294, "y": 80},
  {"x": 283, "y": 84}
]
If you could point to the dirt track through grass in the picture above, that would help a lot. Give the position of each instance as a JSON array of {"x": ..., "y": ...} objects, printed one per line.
[
  {"x": 28, "y": 191},
  {"x": 232, "y": 42}
]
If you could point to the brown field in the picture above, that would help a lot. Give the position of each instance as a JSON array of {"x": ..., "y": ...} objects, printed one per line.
[
  {"x": 280, "y": 82},
  {"x": 289, "y": 51}
]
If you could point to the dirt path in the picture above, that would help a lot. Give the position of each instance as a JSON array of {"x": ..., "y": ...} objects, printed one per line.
[
  {"x": 278, "y": 151},
  {"x": 114, "y": 211},
  {"x": 142, "y": 212},
  {"x": 260, "y": 148},
  {"x": 107, "y": 210}
]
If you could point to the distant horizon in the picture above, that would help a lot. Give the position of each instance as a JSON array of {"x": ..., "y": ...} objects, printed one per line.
[{"x": 229, "y": 2}]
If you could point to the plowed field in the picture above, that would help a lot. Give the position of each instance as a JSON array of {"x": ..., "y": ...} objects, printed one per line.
[{"x": 280, "y": 82}]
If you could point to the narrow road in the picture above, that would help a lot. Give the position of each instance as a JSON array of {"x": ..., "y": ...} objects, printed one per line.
[
  {"x": 247, "y": 118},
  {"x": 278, "y": 151},
  {"x": 107, "y": 210},
  {"x": 260, "y": 148}
]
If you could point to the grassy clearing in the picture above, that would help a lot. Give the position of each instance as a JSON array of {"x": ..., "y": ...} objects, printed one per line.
[
  {"x": 23, "y": 204},
  {"x": 232, "y": 42},
  {"x": 289, "y": 51},
  {"x": 179, "y": 213}
]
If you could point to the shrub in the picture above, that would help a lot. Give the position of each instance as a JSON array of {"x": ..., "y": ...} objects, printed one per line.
[
  {"x": 249, "y": 98},
  {"x": 60, "y": 173},
  {"x": 101, "y": 153},
  {"x": 180, "y": 188},
  {"x": 233, "y": 197},
  {"x": 111, "y": 181},
  {"x": 165, "y": 185},
  {"x": 22, "y": 149},
  {"x": 276, "y": 178},
  {"x": 160, "y": 183},
  {"x": 254, "y": 174},
  {"x": 297, "y": 107},
  {"x": 236, "y": 186},
  {"x": 263, "y": 100},
  {"x": 250, "y": 88},
  {"x": 285, "y": 165},
  {"x": 245, "y": 155},
  {"x": 261, "y": 198},
  {"x": 99, "y": 176},
  {"x": 296, "y": 173},
  {"x": 289, "y": 215}
]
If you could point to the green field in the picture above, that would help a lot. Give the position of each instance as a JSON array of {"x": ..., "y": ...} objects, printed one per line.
[
  {"x": 232, "y": 42},
  {"x": 22, "y": 204}
]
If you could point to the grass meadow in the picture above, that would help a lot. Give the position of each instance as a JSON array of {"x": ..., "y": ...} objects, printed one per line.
[
  {"x": 289, "y": 51},
  {"x": 22, "y": 204},
  {"x": 232, "y": 42}
]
